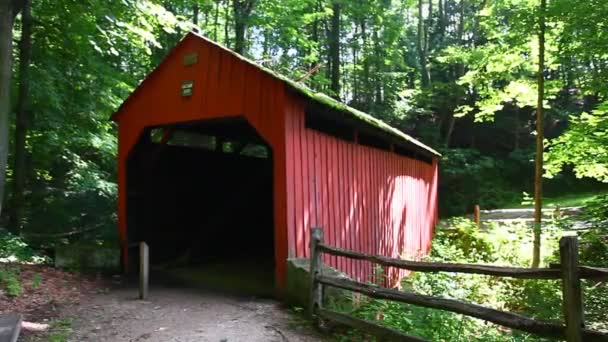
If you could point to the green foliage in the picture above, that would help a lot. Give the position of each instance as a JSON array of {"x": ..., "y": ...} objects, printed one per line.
[
  {"x": 14, "y": 248},
  {"x": 36, "y": 281},
  {"x": 594, "y": 239},
  {"x": 60, "y": 330},
  {"x": 584, "y": 146},
  {"x": 540, "y": 299},
  {"x": 468, "y": 177},
  {"x": 458, "y": 240},
  {"x": 77, "y": 81},
  {"x": 594, "y": 252},
  {"x": 9, "y": 280}
]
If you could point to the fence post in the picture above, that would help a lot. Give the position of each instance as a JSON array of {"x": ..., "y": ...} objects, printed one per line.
[
  {"x": 477, "y": 215},
  {"x": 144, "y": 269},
  {"x": 572, "y": 301},
  {"x": 316, "y": 265}
]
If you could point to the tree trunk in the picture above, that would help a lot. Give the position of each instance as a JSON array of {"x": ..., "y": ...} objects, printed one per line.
[
  {"x": 6, "y": 46},
  {"x": 216, "y": 19},
  {"x": 239, "y": 28},
  {"x": 22, "y": 120},
  {"x": 444, "y": 18},
  {"x": 540, "y": 134},
  {"x": 450, "y": 131},
  {"x": 516, "y": 130},
  {"x": 377, "y": 67},
  {"x": 365, "y": 86},
  {"x": 195, "y": 13},
  {"x": 355, "y": 53},
  {"x": 334, "y": 50},
  {"x": 441, "y": 23},
  {"x": 422, "y": 46},
  {"x": 460, "y": 70},
  {"x": 266, "y": 46},
  {"x": 429, "y": 23},
  {"x": 477, "y": 24},
  {"x": 227, "y": 24},
  {"x": 314, "y": 34},
  {"x": 460, "y": 67},
  {"x": 242, "y": 11}
]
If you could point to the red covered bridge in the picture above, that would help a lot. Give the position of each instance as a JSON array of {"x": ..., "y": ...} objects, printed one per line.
[{"x": 219, "y": 157}]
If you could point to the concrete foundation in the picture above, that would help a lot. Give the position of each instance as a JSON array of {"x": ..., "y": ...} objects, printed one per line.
[
  {"x": 298, "y": 285},
  {"x": 87, "y": 257}
]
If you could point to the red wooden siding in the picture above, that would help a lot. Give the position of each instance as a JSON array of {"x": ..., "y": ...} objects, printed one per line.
[
  {"x": 223, "y": 86},
  {"x": 366, "y": 199}
]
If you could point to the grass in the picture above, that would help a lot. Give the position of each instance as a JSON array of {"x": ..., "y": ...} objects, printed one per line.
[
  {"x": 565, "y": 200},
  {"x": 60, "y": 330},
  {"x": 9, "y": 281}
]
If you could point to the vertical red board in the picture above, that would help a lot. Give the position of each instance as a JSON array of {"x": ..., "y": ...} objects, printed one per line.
[
  {"x": 235, "y": 103},
  {"x": 213, "y": 75},
  {"x": 290, "y": 167},
  {"x": 224, "y": 77},
  {"x": 298, "y": 190}
]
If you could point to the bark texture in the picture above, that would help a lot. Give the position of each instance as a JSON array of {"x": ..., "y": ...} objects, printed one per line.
[
  {"x": 22, "y": 120},
  {"x": 334, "y": 50},
  {"x": 7, "y": 15},
  {"x": 540, "y": 135},
  {"x": 242, "y": 12}
]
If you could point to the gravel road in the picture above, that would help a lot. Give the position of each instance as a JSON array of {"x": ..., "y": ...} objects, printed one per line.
[{"x": 184, "y": 315}]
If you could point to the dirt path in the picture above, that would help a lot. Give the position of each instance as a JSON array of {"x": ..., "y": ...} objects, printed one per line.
[{"x": 173, "y": 314}]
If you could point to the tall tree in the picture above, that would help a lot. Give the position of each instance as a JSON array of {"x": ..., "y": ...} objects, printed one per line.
[
  {"x": 334, "y": 49},
  {"x": 22, "y": 119},
  {"x": 540, "y": 136},
  {"x": 195, "y": 14},
  {"x": 8, "y": 10},
  {"x": 460, "y": 70},
  {"x": 242, "y": 13},
  {"x": 423, "y": 42}
]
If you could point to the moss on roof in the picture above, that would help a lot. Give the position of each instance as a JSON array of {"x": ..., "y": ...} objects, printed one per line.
[{"x": 325, "y": 100}]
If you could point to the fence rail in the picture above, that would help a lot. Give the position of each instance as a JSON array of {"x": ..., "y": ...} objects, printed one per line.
[
  {"x": 568, "y": 271},
  {"x": 421, "y": 266}
]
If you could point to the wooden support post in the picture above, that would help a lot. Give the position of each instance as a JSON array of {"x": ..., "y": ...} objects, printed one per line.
[
  {"x": 316, "y": 265},
  {"x": 477, "y": 216},
  {"x": 572, "y": 302},
  {"x": 167, "y": 134},
  {"x": 144, "y": 269}
]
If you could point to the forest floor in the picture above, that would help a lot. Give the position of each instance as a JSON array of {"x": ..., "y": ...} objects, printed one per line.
[{"x": 174, "y": 314}]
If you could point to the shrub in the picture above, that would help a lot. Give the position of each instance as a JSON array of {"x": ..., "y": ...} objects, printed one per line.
[
  {"x": 459, "y": 240},
  {"x": 594, "y": 252},
  {"x": 9, "y": 280},
  {"x": 14, "y": 248}
]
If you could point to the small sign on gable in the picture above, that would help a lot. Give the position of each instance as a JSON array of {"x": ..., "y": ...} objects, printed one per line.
[
  {"x": 190, "y": 59},
  {"x": 187, "y": 88}
]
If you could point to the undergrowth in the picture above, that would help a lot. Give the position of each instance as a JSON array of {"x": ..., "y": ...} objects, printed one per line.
[
  {"x": 459, "y": 240},
  {"x": 14, "y": 250},
  {"x": 9, "y": 281},
  {"x": 60, "y": 330}
]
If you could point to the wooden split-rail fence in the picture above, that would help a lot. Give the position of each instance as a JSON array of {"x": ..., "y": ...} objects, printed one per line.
[{"x": 569, "y": 271}]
